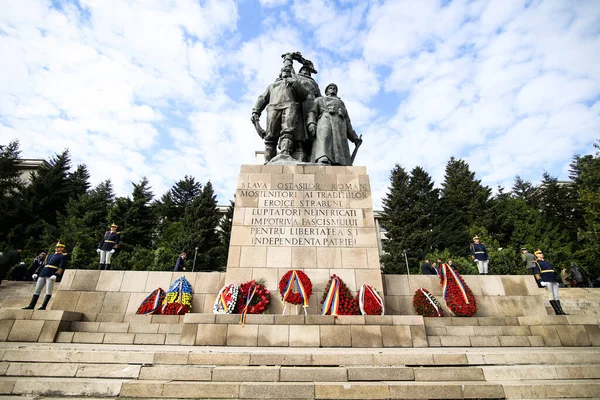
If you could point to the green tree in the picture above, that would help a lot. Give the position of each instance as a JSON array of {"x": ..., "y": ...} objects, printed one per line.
[
  {"x": 10, "y": 187},
  {"x": 463, "y": 202},
  {"x": 523, "y": 190}
]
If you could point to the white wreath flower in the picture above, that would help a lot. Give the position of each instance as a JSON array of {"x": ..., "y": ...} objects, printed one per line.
[{"x": 231, "y": 289}]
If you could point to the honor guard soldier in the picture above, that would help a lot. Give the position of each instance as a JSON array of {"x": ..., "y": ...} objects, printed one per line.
[
  {"x": 46, "y": 275},
  {"x": 547, "y": 276},
  {"x": 480, "y": 256},
  {"x": 108, "y": 246}
]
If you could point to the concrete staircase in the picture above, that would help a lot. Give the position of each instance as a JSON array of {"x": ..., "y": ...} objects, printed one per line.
[{"x": 58, "y": 370}]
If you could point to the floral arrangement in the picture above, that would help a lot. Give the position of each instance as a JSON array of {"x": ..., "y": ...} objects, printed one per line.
[
  {"x": 426, "y": 304},
  {"x": 226, "y": 299},
  {"x": 337, "y": 299},
  {"x": 301, "y": 281},
  {"x": 178, "y": 300},
  {"x": 458, "y": 296},
  {"x": 152, "y": 302},
  {"x": 369, "y": 301},
  {"x": 253, "y": 298}
]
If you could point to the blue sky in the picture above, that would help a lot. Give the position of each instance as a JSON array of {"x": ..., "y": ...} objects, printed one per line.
[{"x": 165, "y": 88}]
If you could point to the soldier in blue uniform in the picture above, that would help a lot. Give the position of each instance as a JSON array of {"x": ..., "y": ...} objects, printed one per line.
[
  {"x": 480, "y": 256},
  {"x": 544, "y": 272},
  {"x": 108, "y": 245},
  {"x": 46, "y": 275}
]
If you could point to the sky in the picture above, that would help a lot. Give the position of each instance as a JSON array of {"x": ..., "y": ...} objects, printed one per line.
[{"x": 165, "y": 88}]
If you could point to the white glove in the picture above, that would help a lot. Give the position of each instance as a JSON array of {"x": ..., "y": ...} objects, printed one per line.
[
  {"x": 543, "y": 283},
  {"x": 112, "y": 251},
  {"x": 98, "y": 250},
  {"x": 34, "y": 276},
  {"x": 53, "y": 278}
]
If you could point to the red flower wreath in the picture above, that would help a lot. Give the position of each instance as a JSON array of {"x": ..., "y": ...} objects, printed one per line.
[
  {"x": 258, "y": 303},
  {"x": 455, "y": 289},
  {"x": 372, "y": 303},
  {"x": 426, "y": 304},
  {"x": 295, "y": 297},
  {"x": 347, "y": 303}
]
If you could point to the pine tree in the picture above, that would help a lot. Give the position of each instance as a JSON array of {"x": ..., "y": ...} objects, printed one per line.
[
  {"x": 463, "y": 203},
  {"x": 200, "y": 231},
  {"x": 10, "y": 186},
  {"x": 225, "y": 225},
  {"x": 78, "y": 181},
  {"x": 523, "y": 190}
]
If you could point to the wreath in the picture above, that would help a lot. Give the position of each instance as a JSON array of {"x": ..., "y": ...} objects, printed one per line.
[
  {"x": 226, "y": 299},
  {"x": 295, "y": 277},
  {"x": 458, "y": 296},
  {"x": 253, "y": 298},
  {"x": 426, "y": 304},
  {"x": 337, "y": 299},
  {"x": 369, "y": 301},
  {"x": 178, "y": 300},
  {"x": 151, "y": 304}
]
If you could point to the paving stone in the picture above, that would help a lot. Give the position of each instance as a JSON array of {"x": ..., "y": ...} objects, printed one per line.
[
  {"x": 380, "y": 374},
  {"x": 366, "y": 336},
  {"x": 396, "y": 336},
  {"x": 448, "y": 374},
  {"x": 165, "y": 319},
  {"x": 514, "y": 341},
  {"x": 335, "y": 336},
  {"x": 115, "y": 302},
  {"x": 593, "y": 332},
  {"x": 464, "y": 321},
  {"x": 88, "y": 337},
  {"x": 208, "y": 335},
  {"x": 342, "y": 359},
  {"x": 289, "y": 320},
  {"x": 25, "y": 331},
  {"x": 573, "y": 335},
  {"x": 280, "y": 390},
  {"x": 218, "y": 359},
  {"x": 113, "y": 327},
  {"x": 245, "y": 374},
  {"x": 400, "y": 359},
  {"x": 90, "y": 302},
  {"x": 194, "y": 318},
  {"x": 242, "y": 335},
  {"x": 355, "y": 390},
  {"x": 77, "y": 326},
  {"x": 119, "y": 338},
  {"x": 536, "y": 341},
  {"x": 273, "y": 335},
  {"x": 487, "y": 330},
  {"x": 420, "y": 390},
  {"x": 350, "y": 320},
  {"x": 319, "y": 319},
  {"x": 85, "y": 280},
  {"x": 50, "y": 329},
  {"x": 145, "y": 389},
  {"x": 450, "y": 359},
  {"x": 227, "y": 319},
  {"x": 491, "y": 321},
  {"x": 304, "y": 336},
  {"x": 137, "y": 319},
  {"x": 110, "y": 281},
  {"x": 313, "y": 374},
  {"x": 56, "y": 315},
  {"x": 149, "y": 338},
  {"x": 110, "y": 317},
  {"x": 108, "y": 371},
  {"x": 170, "y": 328},
  {"x": 201, "y": 390},
  {"x": 409, "y": 320},
  {"x": 60, "y": 387},
  {"x": 64, "y": 337},
  {"x": 419, "y": 338},
  {"x": 483, "y": 391},
  {"x": 5, "y": 327},
  {"x": 260, "y": 319},
  {"x": 577, "y": 371},
  {"x": 175, "y": 357},
  {"x": 548, "y": 333},
  {"x": 142, "y": 328},
  {"x": 42, "y": 369},
  {"x": 434, "y": 341},
  {"x": 485, "y": 341},
  {"x": 455, "y": 341},
  {"x": 292, "y": 359},
  {"x": 176, "y": 372},
  {"x": 379, "y": 320},
  {"x": 516, "y": 331},
  {"x": 460, "y": 331},
  {"x": 519, "y": 372}
]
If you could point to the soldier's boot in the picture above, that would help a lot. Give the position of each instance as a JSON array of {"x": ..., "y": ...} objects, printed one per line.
[
  {"x": 559, "y": 307},
  {"x": 287, "y": 145},
  {"x": 270, "y": 152},
  {"x": 33, "y": 302},
  {"x": 100, "y": 266},
  {"x": 45, "y": 303},
  {"x": 555, "y": 307},
  {"x": 106, "y": 267}
]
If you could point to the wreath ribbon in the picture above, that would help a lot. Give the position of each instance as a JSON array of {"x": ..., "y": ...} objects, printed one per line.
[
  {"x": 332, "y": 301},
  {"x": 361, "y": 298},
  {"x": 428, "y": 297},
  {"x": 294, "y": 278},
  {"x": 249, "y": 298},
  {"x": 458, "y": 282}
]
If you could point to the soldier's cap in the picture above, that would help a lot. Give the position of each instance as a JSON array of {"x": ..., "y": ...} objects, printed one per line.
[
  {"x": 59, "y": 244},
  {"x": 538, "y": 251},
  {"x": 113, "y": 224},
  {"x": 475, "y": 237},
  {"x": 331, "y": 85},
  {"x": 523, "y": 248}
]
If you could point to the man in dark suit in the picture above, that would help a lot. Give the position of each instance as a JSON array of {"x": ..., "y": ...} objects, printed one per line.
[{"x": 427, "y": 269}]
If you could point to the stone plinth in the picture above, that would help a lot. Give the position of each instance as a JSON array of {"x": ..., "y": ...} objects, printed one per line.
[{"x": 318, "y": 219}]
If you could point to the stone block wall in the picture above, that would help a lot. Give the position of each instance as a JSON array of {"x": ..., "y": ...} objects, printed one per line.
[{"x": 496, "y": 295}]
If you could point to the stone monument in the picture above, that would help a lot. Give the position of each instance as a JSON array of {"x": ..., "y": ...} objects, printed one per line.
[{"x": 292, "y": 214}]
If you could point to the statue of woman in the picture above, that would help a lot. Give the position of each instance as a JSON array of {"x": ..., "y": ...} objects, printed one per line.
[{"x": 329, "y": 124}]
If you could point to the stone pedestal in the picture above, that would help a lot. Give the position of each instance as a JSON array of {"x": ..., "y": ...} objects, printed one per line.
[{"x": 318, "y": 219}]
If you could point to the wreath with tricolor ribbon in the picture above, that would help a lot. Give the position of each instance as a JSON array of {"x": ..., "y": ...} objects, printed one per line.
[
  {"x": 178, "y": 300},
  {"x": 151, "y": 304},
  {"x": 295, "y": 279},
  {"x": 253, "y": 298},
  {"x": 337, "y": 299},
  {"x": 426, "y": 304},
  {"x": 369, "y": 301},
  {"x": 226, "y": 299},
  {"x": 458, "y": 296}
]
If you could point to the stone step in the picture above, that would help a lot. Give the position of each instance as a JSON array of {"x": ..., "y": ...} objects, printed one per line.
[
  {"x": 478, "y": 331},
  {"x": 561, "y": 389},
  {"x": 485, "y": 341},
  {"x": 60, "y": 387},
  {"x": 119, "y": 338}
]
